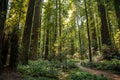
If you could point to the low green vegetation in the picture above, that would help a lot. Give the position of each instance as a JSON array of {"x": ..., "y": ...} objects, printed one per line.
[
  {"x": 54, "y": 70},
  {"x": 111, "y": 65},
  {"x": 81, "y": 75}
]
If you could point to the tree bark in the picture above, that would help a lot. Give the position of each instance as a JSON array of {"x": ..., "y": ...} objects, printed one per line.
[
  {"x": 14, "y": 49},
  {"x": 93, "y": 29},
  {"x": 3, "y": 12},
  {"x": 36, "y": 26},
  {"x": 27, "y": 33},
  {"x": 46, "y": 45},
  {"x": 60, "y": 29},
  {"x": 104, "y": 27},
  {"x": 88, "y": 33}
]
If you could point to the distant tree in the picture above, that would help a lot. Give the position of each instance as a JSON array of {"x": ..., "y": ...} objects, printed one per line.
[
  {"x": 60, "y": 27},
  {"x": 46, "y": 44},
  {"x": 92, "y": 27}
]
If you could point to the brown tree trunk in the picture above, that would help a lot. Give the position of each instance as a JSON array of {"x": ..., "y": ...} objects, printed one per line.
[
  {"x": 104, "y": 27},
  {"x": 46, "y": 45},
  {"x": 60, "y": 29},
  {"x": 93, "y": 29},
  {"x": 14, "y": 49},
  {"x": 36, "y": 25},
  {"x": 27, "y": 33},
  {"x": 88, "y": 33},
  {"x": 5, "y": 48},
  {"x": 3, "y": 12}
]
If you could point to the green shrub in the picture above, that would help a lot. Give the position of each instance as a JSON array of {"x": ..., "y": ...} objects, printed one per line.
[
  {"x": 81, "y": 75},
  {"x": 113, "y": 65},
  {"x": 71, "y": 64},
  {"x": 110, "y": 52},
  {"x": 38, "y": 68}
]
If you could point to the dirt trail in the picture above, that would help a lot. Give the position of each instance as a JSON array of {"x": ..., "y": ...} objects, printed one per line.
[{"x": 99, "y": 72}]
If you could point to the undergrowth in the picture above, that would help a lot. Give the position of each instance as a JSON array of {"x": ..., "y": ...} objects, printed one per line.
[
  {"x": 111, "y": 65},
  {"x": 53, "y": 70}
]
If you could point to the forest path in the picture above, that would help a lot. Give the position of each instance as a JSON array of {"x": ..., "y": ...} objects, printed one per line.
[{"x": 99, "y": 72}]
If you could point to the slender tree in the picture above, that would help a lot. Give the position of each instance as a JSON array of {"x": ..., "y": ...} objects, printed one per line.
[
  {"x": 88, "y": 33},
  {"x": 47, "y": 44},
  {"x": 60, "y": 28},
  {"x": 93, "y": 27}
]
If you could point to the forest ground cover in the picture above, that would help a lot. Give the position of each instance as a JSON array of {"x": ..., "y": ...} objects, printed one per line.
[
  {"x": 107, "y": 65},
  {"x": 108, "y": 74},
  {"x": 54, "y": 70}
]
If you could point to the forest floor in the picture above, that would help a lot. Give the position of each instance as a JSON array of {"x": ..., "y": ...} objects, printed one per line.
[
  {"x": 14, "y": 75},
  {"x": 11, "y": 75},
  {"x": 99, "y": 72}
]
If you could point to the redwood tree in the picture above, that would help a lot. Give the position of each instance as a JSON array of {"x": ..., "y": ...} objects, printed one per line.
[
  {"x": 3, "y": 12},
  {"x": 27, "y": 32},
  {"x": 104, "y": 25},
  {"x": 36, "y": 26}
]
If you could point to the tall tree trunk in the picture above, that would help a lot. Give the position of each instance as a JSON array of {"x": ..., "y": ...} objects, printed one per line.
[
  {"x": 79, "y": 36},
  {"x": 60, "y": 28},
  {"x": 56, "y": 26},
  {"x": 88, "y": 32},
  {"x": 36, "y": 25},
  {"x": 93, "y": 29},
  {"x": 46, "y": 45},
  {"x": 117, "y": 11},
  {"x": 5, "y": 48},
  {"x": 3, "y": 12},
  {"x": 14, "y": 49},
  {"x": 27, "y": 33},
  {"x": 104, "y": 27}
]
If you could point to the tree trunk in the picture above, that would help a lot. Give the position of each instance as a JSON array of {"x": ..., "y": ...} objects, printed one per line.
[
  {"x": 36, "y": 25},
  {"x": 117, "y": 11},
  {"x": 93, "y": 29},
  {"x": 5, "y": 48},
  {"x": 60, "y": 29},
  {"x": 104, "y": 27},
  {"x": 88, "y": 33},
  {"x": 14, "y": 49},
  {"x": 79, "y": 36},
  {"x": 46, "y": 45},
  {"x": 27, "y": 33},
  {"x": 3, "y": 12}
]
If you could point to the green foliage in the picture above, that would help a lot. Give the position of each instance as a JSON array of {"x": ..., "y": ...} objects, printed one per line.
[
  {"x": 26, "y": 77},
  {"x": 71, "y": 64},
  {"x": 112, "y": 65},
  {"x": 110, "y": 52},
  {"x": 36, "y": 69},
  {"x": 81, "y": 75},
  {"x": 117, "y": 39}
]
